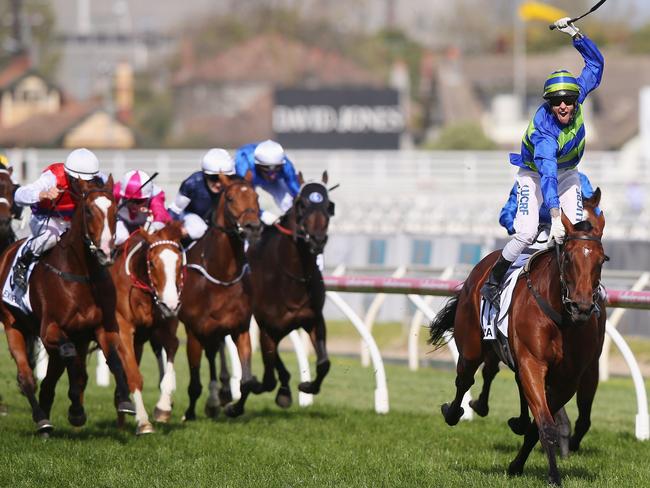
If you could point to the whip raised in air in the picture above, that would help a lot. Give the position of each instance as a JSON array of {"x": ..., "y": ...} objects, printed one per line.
[{"x": 594, "y": 8}]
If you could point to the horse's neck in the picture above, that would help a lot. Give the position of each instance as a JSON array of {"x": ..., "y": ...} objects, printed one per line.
[
  {"x": 294, "y": 254},
  {"x": 221, "y": 250},
  {"x": 137, "y": 265},
  {"x": 71, "y": 248}
]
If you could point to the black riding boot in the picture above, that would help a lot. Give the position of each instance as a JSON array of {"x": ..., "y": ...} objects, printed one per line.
[
  {"x": 490, "y": 289},
  {"x": 20, "y": 271}
]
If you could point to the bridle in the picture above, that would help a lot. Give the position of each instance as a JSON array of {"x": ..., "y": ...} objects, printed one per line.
[
  {"x": 92, "y": 247},
  {"x": 233, "y": 226},
  {"x": 301, "y": 231},
  {"x": 567, "y": 302}
]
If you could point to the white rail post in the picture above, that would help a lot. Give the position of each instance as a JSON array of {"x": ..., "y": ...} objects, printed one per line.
[
  {"x": 41, "y": 360},
  {"x": 416, "y": 325},
  {"x": 430, "y": 314},
  {"x": 304, "y": 399},
  {"x": 371, "y": 315},
  {"x": 381, "y": 390},
  {"x": 235, "y": 366},
  {"x": 642, "y": 425},
  {"x": 614, "y": 318}
]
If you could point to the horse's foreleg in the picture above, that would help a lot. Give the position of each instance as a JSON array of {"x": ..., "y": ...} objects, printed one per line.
[
  {"x": 77, "y": 381},
  {"x": 169, "y": 341},
  {"x": 225, "y": 395},
  {"x": 110, "y": 344},
  {"x": 519, "y": 425},
  {"x": 585, "y": 398},
  {"x": 317, "y": 335},
  {"x": 212, "y": 405},
  {"x": 490, "y": 370},
  {"x": 532, "y": 374},
  {"x": 249, "y": 383},
  {"x": 531, "y": 437},
  {"x": 465, "y": 371},
  {"x": 194, "y": 350},
  {"x": 269, "y": 350},
  {"x": 25, "y": 376}
]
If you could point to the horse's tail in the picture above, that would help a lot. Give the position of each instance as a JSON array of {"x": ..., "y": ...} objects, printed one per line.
[{"x": 443, "y": 323}]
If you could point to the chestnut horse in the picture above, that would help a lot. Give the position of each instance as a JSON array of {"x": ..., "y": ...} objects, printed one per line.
[
  {"x": 288, "y": 288},
  {"x": 216, "y": 299},
  {"x": 148, "y": 280},
  {"x": 556, "y": 333},
  {"x": 73, "y": 302},
  {"x": 8, "y": 210}
]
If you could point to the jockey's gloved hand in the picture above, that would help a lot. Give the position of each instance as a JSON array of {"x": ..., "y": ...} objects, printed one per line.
[
  {"x": 268, "y": 218},
  {"x": 563, "y": 25},
  {"x": 557, "y": 231}
]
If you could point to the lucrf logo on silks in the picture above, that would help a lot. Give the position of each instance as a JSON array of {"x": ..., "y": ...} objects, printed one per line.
[
  {"x": 579, "y": 205},
  {"x": 524, "y": 196}
]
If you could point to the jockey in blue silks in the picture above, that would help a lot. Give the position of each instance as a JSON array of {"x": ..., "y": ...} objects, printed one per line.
[
  {"x": 550, "y": 152},
  {"x": 199, "y": 193},
  {"x": 507, "y": 215},
  {"x": 272, "y": 171}
]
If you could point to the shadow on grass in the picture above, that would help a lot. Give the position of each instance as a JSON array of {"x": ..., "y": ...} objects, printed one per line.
[{"x": 538, "y": 472}]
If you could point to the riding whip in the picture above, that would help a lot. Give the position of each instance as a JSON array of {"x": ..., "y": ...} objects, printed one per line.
[
  {"x": 139, "y": 188},
  {"x": 594, "y": 8}
]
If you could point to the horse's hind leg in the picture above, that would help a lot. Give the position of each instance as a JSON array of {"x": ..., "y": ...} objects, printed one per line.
[
  {"x": 283, "y": 398},
  {"x": 490, "y": 370},
  {"x": 110, "y": 343},
  {"x": 531, "y": 437},
  {"x": 25, "y": 376},
  {"x": 269, "y": 350},
  {"x": 585, "y": 398},
  {"x": 167, "y": 335},
  {"x": 249, "y": 383},
  {"x": 77, "y": 381},
  {"x": 225, "y": 395},
  {"x": 519, "y": 425},
  {"x": 212, "y": 405},
  {"x": 194, "y": 350},
  {"x": 317, "y": 335}
]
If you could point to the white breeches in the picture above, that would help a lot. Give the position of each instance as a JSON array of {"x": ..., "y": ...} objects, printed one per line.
[
  {"x": 529, "y": 201},
  {"x": 46, "y": 233}
]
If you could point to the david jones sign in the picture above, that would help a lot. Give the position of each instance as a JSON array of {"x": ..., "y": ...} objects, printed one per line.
[{"x": 350, "y": 118}]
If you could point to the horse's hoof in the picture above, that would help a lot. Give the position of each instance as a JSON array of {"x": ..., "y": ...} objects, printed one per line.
[
  {"x": 554, "y": 481},
  {"x": 67, "y": 350},
  {"x": 283, "y": 398},
  {"x": 44, "y": 427},
  {"x": 188, "y": 417},
  {"x": 161, "y": 416},
  {"x": 480, "y": 408},
  {"x": 145, "y": 428},
  {"x": 126, "y": 407},
  {"x": 233, "y": 410},
  {"x": 308, "y": 387},
  {"x": 574, "y": 445},
  {"x": 563, "y": 448},
  {"x": 518, "y": 426},
  {"x": 451, "y": 420},
  {"x": 225, "y": 396},
  {"x": 78, "y": 419},
  {"x": 252, "y": 386},
  {"x": 212, "y": 411},
  {"x": 515, "y": 469}
]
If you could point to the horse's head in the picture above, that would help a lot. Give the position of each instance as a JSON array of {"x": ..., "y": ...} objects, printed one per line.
[
  {"x": 241, "y": 208},
  {"x": 6, "y": 200},
  {"x": 165, "y": 261},
  {"x": 581, "y": 261},
  {"x": 97, "y": 208},
  {"x": 313, "y": 210}
]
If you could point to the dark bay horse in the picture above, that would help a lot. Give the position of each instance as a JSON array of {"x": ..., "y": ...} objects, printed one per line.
[
  {"x": 288, "y": 289},
  {"x": 7, "y": 209},
  {"x": 148, "y": 280},
  {"x": 216, "y": 298},
  {"x": 73, "y": 302},
  {"x": 556, "y": 333}
]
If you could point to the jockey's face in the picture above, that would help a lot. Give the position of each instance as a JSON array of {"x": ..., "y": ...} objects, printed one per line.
[
  {"x": 268, "y": 173},
  {"x": 214, "y": 185},
  {"x": 136, "y": 206},
  {"x": 563, "y": 108}
]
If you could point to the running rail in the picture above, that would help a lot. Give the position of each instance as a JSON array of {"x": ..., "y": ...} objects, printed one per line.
[{"x": 413, "y": 287}]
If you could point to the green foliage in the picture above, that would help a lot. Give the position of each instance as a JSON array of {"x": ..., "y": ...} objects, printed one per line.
[
  {"x": 640, "y": 40},
  {"x": 465, "y": 135},
  {"x": 152, "y": 112}
]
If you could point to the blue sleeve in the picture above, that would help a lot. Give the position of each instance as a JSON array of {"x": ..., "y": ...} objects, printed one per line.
[
  {"x": 585, "y": 186},
  {"x": 244, "y": 159},
  {"x": 509, "y": 210},
  {"x": 290, "y": 177},
  {"x": 592, "y": 73},
  {"x": 546, "y": 148}
]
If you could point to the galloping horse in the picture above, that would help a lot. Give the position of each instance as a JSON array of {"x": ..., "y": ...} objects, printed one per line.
[
  {"x": 216, "y": 299},
  {"x": 148, "y": 280},
  {"x": 73, "y": 302},
  {"x": 288, "y": 289},
  {"x": 556, "y": 333},
  {"x": 7, "y": 209}
]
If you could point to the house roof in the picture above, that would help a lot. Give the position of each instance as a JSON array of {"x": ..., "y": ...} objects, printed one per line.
[
  {"x": 277, "y": 60},
  {"x": 47, "y": 130},
  {"x": 15, "y": 69}
]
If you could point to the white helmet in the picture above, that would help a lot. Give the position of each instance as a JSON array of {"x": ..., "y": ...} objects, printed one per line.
[
  {"x": 131, "y": 186},
  {"x": 269, "y": 153},
  {"x": 82, "y": 163},
  {"x": 217, "y": 161}
]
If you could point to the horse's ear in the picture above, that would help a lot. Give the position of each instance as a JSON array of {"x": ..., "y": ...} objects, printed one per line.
[
  {"x": 10, "y": 170},
  {"x": 594, "y": 200},
  {"x": 109, "y": 182},
  {"x": 249, "y": 176},
  {"x": 325, "y": 177},
  {"x": 600, "y": 224},
  {"x": 566, "y": 223},
  {"x": 301, "y": 180}
]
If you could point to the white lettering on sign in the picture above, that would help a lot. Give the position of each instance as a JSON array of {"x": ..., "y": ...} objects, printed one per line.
[{"x": 347, "y": 119}]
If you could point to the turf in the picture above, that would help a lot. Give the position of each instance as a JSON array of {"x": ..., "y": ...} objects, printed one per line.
[{"x": 339, "y": 441}]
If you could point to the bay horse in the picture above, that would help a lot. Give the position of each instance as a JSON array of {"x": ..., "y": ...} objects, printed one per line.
[
  {"x": 216, "y": 298},
  {"x": 73, "y": 302},
  {"x": 288, "y": 288},
  {"x": 148, "y": 280},
  {"x": 8, "y": 210},
  {"x": 555, "y": 333}
]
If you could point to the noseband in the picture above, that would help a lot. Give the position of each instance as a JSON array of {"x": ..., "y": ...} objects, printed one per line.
[
  {"x": 92, "y": 247},
  {"x": 233, "y": 225},
  {"x": 301, "y": 231}
]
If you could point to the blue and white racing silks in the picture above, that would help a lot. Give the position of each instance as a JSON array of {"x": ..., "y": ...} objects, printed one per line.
[
  {"x": 283, "y": 189},
  {"x": 193, "y": 197},
  {"x": 509, "y": 210},
  {"x": 549, "y": 146}
]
